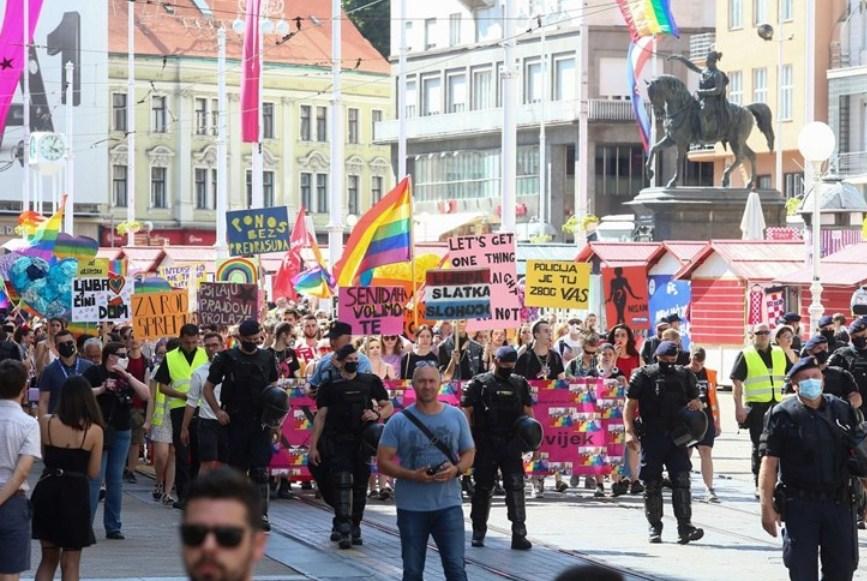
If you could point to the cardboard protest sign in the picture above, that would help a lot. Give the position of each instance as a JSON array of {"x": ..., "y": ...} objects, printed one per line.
[
  {"x": 162, "y": 314},
  {"x": 258, "y": 231},
  {"x": 457, "y": 294},
  {"x": 187, "y": 276},
  {"x": 558, "y": 284},
  {"x": 227, "y": 303},
  {"x": 99, "y": 300},
  {"x": 497, "y": 253},
  {"x": 625, "y": 289},
  {"x": 93, "y": 268},
  {"x": 372, "y": 310}
]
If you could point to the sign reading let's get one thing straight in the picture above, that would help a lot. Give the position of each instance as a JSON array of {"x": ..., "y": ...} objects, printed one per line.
[{"x": 258, "y": 231}]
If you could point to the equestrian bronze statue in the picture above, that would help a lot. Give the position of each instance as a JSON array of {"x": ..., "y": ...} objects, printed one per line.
[{"x": 706, "y": 119}]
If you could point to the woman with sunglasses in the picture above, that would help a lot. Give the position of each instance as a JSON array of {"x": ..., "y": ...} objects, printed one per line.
[
  {"x": 392, "y": 350},
  {"x": 423, "y": 352},
  {"x": 114, "y": 387},
  {"x": 784, "y": 338}
]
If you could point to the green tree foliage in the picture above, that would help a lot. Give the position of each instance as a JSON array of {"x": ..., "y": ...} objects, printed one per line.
[{"x": 374, "y": 22}]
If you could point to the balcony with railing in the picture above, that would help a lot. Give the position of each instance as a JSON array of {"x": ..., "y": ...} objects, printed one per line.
[
  {"x": 852, "y": 164},
  {"x": 700, "y": 44}
]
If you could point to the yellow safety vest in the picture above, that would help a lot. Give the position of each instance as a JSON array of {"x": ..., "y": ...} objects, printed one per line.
[
  {"x": 181, "y": 371},
  {"x": 763, "y": 385}
]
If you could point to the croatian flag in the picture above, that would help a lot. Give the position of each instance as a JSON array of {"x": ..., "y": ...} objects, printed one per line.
[{"x": 639, "y": 53}]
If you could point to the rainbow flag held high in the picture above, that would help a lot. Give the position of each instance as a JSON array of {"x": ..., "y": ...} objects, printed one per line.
[
  {"x": 382, "y": 236},
  {"x": 44, "y": 238},
  {"x": 648, "y": 18},
  {"x": 28, "y": 222},
  {"x": 152, "y": 285},
  {"x": 314, "y": 282},
  {"x": 81, "y": 248}
]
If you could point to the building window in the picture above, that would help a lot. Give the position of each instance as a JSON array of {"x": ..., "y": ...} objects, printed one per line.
[
  {"x": 431, "y": 95},
  {"x": 212, "y": 199},
  {"x": 249, "y": 183},
  {"x": 268, "y": 188},
  {"x": 375, "y": 189},
  {"x": 620, "y": 170},
  {"x": 697, "y": 173},
  {"x": 322, "y": 193},
  {"x": 736, "y": 88},
  {"x": 118, "y": 109},
  {"x": 201, "y": 187},
  {"x": 411, "y": 98},
  {"x": 306, "y": 198},
  {"x": 158, "y": 187},
  {"x": 268, "y": 120},
  {"x": 456, "y": 92},
  {"x": 375, "y": 117},
  {"x": 408, "y": 27},
  {"x": 489, "y": 25},
  {"x": 305, "y": 123},
  {"x": 760, "y": 85},
  {"x": 533, "y": 89},
  {"x": 760, "y": 12},
  {"x": 482, "y": 89},
  {"x": 454, "y": 29},
  {"x": 429, "y": 32},
  {"x": 201, "y": 116},
  {"x": 564, "y": 78},
  {"x": 322, "y": 124},
  {"x": 787, "y": 91},
  {"x": 352, "y": 194},
  {"x": 787, "y": 9},
  {"x": 793, "y": 184},
  {"x": 118, "y": 185},
  {"x": 353, "y": 125},
  {"x": 763, "y": 182},
  {"x": 158, "y": 114},
  {"x": 215, "y": 116},
  {"x": 736, "y": 14}
]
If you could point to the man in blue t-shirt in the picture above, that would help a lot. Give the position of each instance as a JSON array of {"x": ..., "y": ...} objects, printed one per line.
[
  {"x": 69, "y": 364},
  {"x": 428, "y": 493}
]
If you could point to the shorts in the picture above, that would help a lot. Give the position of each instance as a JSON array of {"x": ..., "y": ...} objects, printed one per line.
[
  {"x": 709, "y": 435},
  {"x": 15, "y": 516},
  {"x": 136, "y": 424},
  {"x": 213, "y": 441},
  {"x": 163, "y": 433}
]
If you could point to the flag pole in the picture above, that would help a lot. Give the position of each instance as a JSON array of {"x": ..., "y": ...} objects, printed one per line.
[{"x": 412, "y": 256}]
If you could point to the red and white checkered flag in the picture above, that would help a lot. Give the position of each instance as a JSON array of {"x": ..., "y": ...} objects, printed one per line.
[{"x": 776, "y": 307}]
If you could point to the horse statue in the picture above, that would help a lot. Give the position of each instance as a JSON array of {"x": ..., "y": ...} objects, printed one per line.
[{"x": 686, "y": 122}]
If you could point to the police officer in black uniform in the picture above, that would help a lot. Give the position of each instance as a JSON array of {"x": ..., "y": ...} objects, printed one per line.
[
  {"x": 661, "y": 391},
  {"x": 805, "y": 441},
  {"x": 493, "y": 403},
  {"x": 244, "y": 372},
  {"x": 853, "y": 357},
  {"x": 838, "y": 381},
  {"x": 826, "y": 330},
  {"x": 338, "y": 457},
  {"x": 794, "y": 321}
]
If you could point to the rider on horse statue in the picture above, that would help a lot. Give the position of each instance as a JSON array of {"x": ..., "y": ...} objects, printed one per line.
[{"x": 711, "y": 95}]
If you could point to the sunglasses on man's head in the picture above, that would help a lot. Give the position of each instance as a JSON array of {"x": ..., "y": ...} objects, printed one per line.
[{"x": 227, "y": 537}]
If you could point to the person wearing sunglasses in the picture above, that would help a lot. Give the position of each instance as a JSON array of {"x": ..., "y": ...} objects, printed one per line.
[
  {"x": 221, "y": 534},
  {"x": 758, "y": 378},
  {"x": 58, "y": 371}
]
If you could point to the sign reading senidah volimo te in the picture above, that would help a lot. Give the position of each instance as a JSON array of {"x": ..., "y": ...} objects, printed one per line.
[{"x": 258, "y": 231}]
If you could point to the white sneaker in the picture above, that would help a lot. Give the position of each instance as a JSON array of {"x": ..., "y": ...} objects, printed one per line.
[{"x": 710, "y": 496}]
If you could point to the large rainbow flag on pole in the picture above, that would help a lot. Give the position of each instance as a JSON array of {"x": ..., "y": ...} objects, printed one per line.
[
  {"x": 382, "y": 236},
  {"x": 639, "y": 53},
  {"x": 648, "y": 17}
]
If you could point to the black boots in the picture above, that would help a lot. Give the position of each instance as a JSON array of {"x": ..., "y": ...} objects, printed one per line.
[
  {"x": 653, "y": 509},
  {"x": 682, "y": 502},
  {"x": 517, "y": 511}
]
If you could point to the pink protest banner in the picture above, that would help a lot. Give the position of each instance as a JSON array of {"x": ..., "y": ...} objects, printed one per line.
[
  {"x": 497, "y": 252},
  {"x": 372, "y": 310}
]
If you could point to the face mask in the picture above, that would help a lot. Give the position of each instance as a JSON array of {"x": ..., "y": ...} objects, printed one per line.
[
  {"x": 122, "y": 363},
  {"x": 66, "y": 349},
  {"x": 350, "y": 366},
  {"x": 829, "y": 335},
  {"x": 810, "y": 388},
  {"x": 503, "y": 372},
  {"x": 859, "y": 342},
  {"x": 249, "y": 346},
  {"x": 666, "y": 367},
  {"x": 821, "y": 357}
]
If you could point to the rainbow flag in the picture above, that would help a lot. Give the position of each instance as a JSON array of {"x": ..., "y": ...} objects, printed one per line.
[
  {"x": 81, "y": 248},
  {"x": 152, "y": 285},
  {"x": 648, "y": 18},
  {"x": 639, "y": 53},
  {"x": 382, "y": 236},
  {"x": 314, "y": 282},
  {"x": 117, "y": 267},
  {"x": 28, "y": 222},
  {"x": 5, "y": 303},
  {"x": 79, "y": 329},
  {"x": 45, "y": 236}
]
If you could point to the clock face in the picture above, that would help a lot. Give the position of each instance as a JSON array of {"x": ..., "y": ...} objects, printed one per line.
[{"x": 52, "y": 147}]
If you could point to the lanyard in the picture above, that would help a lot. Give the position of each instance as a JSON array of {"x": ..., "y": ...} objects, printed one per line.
[{"x": 74, "y": 373}]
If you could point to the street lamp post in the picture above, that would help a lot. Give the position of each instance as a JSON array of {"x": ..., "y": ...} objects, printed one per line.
[
  {"x": 766, "y": 32},
  {"x": 816, "y": 143}
]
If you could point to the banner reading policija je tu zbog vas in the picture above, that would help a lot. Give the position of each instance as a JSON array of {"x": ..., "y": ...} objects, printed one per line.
[
  {"x": 558, "y": 284},
  {"x": 258, "y": 231},
  {"x": 582, "y": 421}
]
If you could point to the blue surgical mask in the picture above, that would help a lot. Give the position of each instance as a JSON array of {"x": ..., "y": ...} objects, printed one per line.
[{"x": 810, "y": 388}]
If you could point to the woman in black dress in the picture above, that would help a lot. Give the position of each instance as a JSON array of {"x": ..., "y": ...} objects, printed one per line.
[{"x": 72, "y": 449}]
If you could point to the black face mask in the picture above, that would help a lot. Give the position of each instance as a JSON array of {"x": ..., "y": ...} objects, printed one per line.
[
  {"x": 859, "y": 343},
  {"x": 249, "y": 346},
  {"x": 829, "y": 334},
  {"x": 66, "y": 349},
  {"x": 821, "y": 357},
  {"x": 350, "y": 366},
  {"x": 666, "y": 367},
  {"x": 503, "y": 372}
]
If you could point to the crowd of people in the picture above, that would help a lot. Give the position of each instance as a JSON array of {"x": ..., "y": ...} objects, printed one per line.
[{"x": 103, "y": 404}]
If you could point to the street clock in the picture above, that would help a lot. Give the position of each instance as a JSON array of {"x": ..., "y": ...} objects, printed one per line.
[{"x": 47, "y": 151}]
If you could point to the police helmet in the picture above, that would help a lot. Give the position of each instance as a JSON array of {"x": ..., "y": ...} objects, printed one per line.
[
  {"x": 691, "y": 429},
  {"x": 370, "y": 436},
  {"x": 275, "y": 406},
  {"x": 527, "y": 434}
]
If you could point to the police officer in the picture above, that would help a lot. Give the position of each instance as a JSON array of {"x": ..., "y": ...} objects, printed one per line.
[
  {"x": 493, "y": 403},
  {"x": 838, "y": 381},
  {"x": 339, "y": 459},
  {"x": 826, "y": 330},
  {"x": 661, "y": 391},
  {"x": 244, "y": 372},
  {"x": 793, "y": 320},
  {"x": 805, "y": 442}
]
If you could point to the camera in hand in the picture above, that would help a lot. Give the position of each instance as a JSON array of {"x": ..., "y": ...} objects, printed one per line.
[{"x": 434, "y": 469}]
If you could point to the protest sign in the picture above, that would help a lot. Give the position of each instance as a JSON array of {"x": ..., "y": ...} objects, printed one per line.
[
  {"x": 161, "y": 314},
  {"x": 496, "y": 252},
  {"x": 558, "y": 284},
  {"x": 457, "y": 294},
  {"x": 240, "y": 270},
  {"x": 187, "y": 276},
  {"x": 625, "y": 289},
  {"x": 93, "y": 268},
  {"x": 227, "y": 303},
  {"x": 258, "y": 231},
  {"x": 99, "y": 300},
  {"x": 669, "y": 297},
  {"x": 372, "y": 310}
]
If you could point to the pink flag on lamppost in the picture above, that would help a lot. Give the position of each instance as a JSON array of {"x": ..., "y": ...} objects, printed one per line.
[
  {"x": 11, "y": 61},
  {"x": 250, "y": 74}
]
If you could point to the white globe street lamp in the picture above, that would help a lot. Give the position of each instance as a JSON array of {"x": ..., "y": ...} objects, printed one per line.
[{"x": 816, "y": 143}]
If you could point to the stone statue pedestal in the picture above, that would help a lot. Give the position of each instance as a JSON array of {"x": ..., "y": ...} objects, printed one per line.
[{"x": 701, "y": 213}]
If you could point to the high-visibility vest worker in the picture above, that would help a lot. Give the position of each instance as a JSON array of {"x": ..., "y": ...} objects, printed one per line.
[
  {"x": 764, "y": 385},
  {"x": 181, "y": 372}
]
